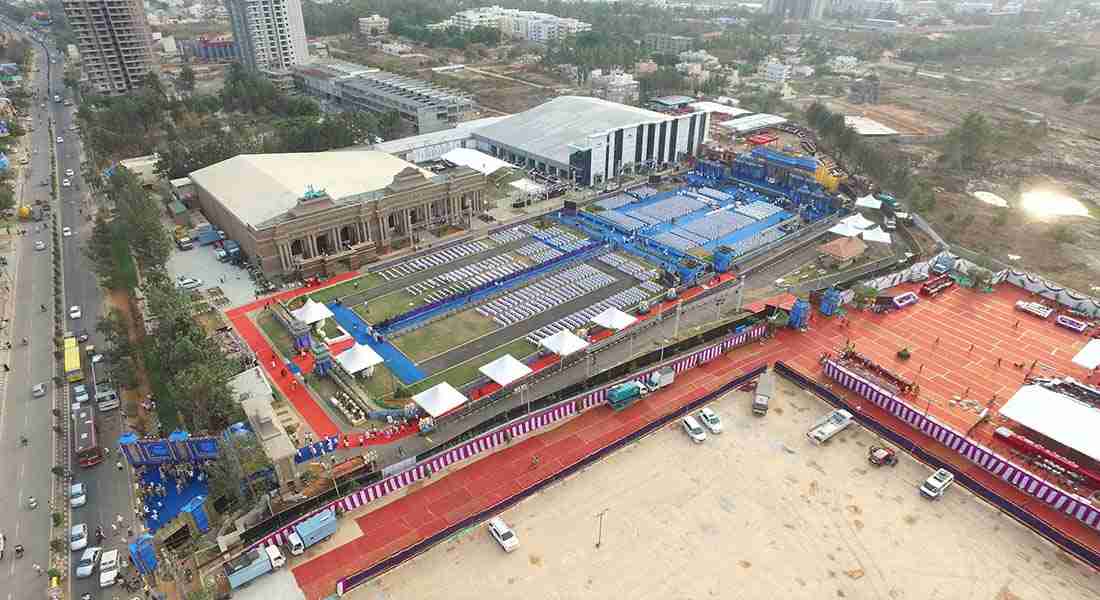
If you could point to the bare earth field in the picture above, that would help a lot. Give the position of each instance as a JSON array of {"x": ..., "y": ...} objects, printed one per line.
[{"x": 757, "y": 512}]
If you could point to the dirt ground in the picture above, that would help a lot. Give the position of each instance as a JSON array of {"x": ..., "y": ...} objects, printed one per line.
[
  {"x": 756, "y": 512},
  {"x": 139, "y": 419}
]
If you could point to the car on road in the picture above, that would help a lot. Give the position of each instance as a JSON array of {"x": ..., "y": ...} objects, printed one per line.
[
  {"x": 66, "y": 183},
  {"x": 710, "y": 420},
  {"x": 74, "y": 312},
  {"x": 78, "y": 537},
  {"x": 80, "y": 393},
  {"x": 86, "y": 565},
  {"x": 69, "y": 173},
  {"x": 503, "y": 534},
  {"x": 66, "y": 232},
  {"x": 40, "y": 245},
  {"x": 60, "y": 140},
  {"x": 693, "y": 429},
  {"x": 38, "y": 390},
  {"x": 78, "y": 495},
  {"x": 188, "y": 283},
  {"x": 936, "y": 484}
]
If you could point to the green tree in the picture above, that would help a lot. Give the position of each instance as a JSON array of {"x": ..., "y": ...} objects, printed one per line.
[
  {"x": 7, "y": 195},
  {"x": 966, "y": 145},
  {"x": 241, "y": 463},
  {"x": 118, "y": 349},
  {"x": 1074, "y": 94},
  {"x": 186, "y": 81}
]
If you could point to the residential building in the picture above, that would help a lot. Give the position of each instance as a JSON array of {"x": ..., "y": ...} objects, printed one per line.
[
  {"x": 845, "y": 64},
  {"x": 645, "y": 67},
  {"x": 701, "y": 57},
  {"x": 777, "y": 73},
  {"x": 668, "y": 44},
  {"x": 220, "y": 49},
  {"x": 373, "y": 26},
  {"x": 114, "y": 41},
  {"x": 423, "y": 106},
  {"x": 520, "y": 24},
  {"x": 615, "y": 86},
  {"x": 270, "y": 34},
  {"x": 318, "y": 78}
]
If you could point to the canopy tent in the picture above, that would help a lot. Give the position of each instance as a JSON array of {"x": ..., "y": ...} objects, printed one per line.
[
  {"x": 312, "y": 312},
  {"x": 505, "y": 370},
  {"x": 859, "y": 221},
  {"x": 869, "y": 201},
  {"x": 613, "y": 318},
  {"x": 1057, "y": 416},
  {"x": 844, "y": 229},
  {"x": 877, "y": 235},
  {"x": 439, "y": 400},
  {"x": 1089, "y": 356},
  {"x": 563, "y": 343},
  {"x": 358, "y": 358}
]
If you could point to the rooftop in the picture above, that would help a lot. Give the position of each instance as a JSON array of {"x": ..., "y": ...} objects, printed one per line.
[
  {"x": 868, "y": 127},
  {"x": 1057, "y": 416},
  {"x": 460, "y": 131},
  {"x": 258, "y": 188},
  {"x": 748, "y": 123},
  {"x": 415, "y": 90},
  {"x": 548, "y": 130},
  {"x": 255, "y": 395},
  {"x": 673, "y": 101}
]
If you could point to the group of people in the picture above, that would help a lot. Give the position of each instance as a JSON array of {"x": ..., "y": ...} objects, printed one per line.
[{"x": 152, "y": 494}]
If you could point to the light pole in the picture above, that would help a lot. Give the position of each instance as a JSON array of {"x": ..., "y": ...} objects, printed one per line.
[
  {"x": 599, "y": 527},
  {"x": 523, "y": 394},
  {"x": 676, "y": 327}
]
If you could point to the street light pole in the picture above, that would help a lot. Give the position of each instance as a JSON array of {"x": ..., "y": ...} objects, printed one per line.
[{"x": 599, "y": 528}]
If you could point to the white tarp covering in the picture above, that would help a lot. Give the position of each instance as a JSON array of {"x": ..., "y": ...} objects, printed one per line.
[
  {"x": 312, "y": 312},
  {"x": 876, "y": 234},
  {"x": 869, "y": 201},
  {"x": 613, "y": 318},
  {"x": 859, "y": 221},
  {"x": 358, "y": 358},
  {"x": 563, "y": 343},
  {"x": 439, "y": 400},
  {"x": 476, "y": 160},
  {"x": 1089, "y": 356},
  {"x": 844, "y": 229},
  {"x": 526, "y": 186},
  {"x": 505, "y": 370},
  {"x": 1059, "y": 417}
]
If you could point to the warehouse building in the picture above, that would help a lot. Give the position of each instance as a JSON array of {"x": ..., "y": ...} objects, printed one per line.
[
  {"x": 323, "y": 212},
  {"x": 423, "y": 106},
  {"x": 590, "y": 141}
]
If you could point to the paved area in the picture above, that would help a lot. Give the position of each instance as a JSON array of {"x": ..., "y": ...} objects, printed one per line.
[
  {"x": 201, "y": 263},
  {"x": 277, "y": 585}
]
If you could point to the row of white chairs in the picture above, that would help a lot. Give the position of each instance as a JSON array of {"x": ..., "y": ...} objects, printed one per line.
[
  {"x": 513, "y": 233},
  {"x": 756, "y": 240},
  {"x": 435, "y": 259},
  {"x": 562, "y": 239},
  {"x": 628, "y": 266},
  {"x": 538, "y": 252},
  {"x": 626, "y": 298},
  {"x": 545, "y": 294},
  {"x": 466, "y": 278}
]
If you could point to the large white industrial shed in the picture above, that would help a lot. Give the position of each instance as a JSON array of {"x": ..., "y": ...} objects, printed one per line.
[{"x": 592, "y": 139}]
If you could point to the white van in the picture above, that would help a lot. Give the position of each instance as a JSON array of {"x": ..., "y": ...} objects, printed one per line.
[
  {"x": 693, "y": 429},
  {"x": 107, "y": 400},
  {"x": 108, "y": 568},
  {"x": 275, "y": 556},
  {"x": 936, "y": 484}
]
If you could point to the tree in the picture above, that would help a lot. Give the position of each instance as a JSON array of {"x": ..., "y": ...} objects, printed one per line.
[
  {"x": 141, "y": 217},
  {"x": 241, "y": 462},
  {"x": 7, "y": 195},
  {"x": 119, "y": 350},
  {"x": 186, "y": 81},
  {"x": 965, "y": 145},
  {"x": 1074, "y": 94}
]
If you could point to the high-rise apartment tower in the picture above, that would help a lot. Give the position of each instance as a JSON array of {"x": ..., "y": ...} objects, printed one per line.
[
  {"x": 271, "y": 34},
  {"x": 116, "y": 48}
]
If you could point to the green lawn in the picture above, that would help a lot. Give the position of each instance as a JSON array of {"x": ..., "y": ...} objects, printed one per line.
[
  {"x": 351, "y": 286},
  {"x": 463, "y": 373},
  {"x": 276, "y": 333},
  {"x": 444, "y": 334},
  {"x": 390, "y": 305},
  {"x": 331, "y": 328}
]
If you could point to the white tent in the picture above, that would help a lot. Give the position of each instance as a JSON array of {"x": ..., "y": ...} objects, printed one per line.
[
  {"x": 613, "y": 318},
  {"x": 312, "y": 312},
  {"x": 859, "y": 221},
  {"x": 869, "y": 201},
  {"x": 1089, "y": 356},
  {"x": 876, "y": 235},
  {"x": 844, "y": 229},
  {"x": 563, "y": 343},
  {"x": 359, "y": 358},
  {"x": 1059, "y": 417},
  {"x": 439, "y": 400},
  {"x": 476, "y": 160},
  {"x": 505, "y": 370}
]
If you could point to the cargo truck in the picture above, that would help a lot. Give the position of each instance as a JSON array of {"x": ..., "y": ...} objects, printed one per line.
[
  {"x": 314, "y": 529},
  {"x": 765, "y": 389},
  {"x": 250, "y": 565},
  {"x": 623, "y": 395},
  {"x": 829, "y": 425}
]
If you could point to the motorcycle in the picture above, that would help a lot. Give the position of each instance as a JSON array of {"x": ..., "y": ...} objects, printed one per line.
[
  {"x": 32, "y": 503},
  {"x": 19, "y": 551}
]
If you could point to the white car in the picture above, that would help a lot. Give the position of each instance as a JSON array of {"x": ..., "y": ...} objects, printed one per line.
[
  {"x": 710, "y": 420},
  {"x": 503, "y": 534},
  {"x": 38, "y": 390},
  {"x": 60, "y": 140},
  {"x": 188, "y": 283},
  {"x": 86, "y": 565},
  {"x": 69, "y": 173},
  {"x": 936, "y": 484},
  {"x": 693, "y": 429},
  {"x": 78, "y": 495},
  {"x": 66, "y": 183},
  {"x": 108, "y": 569},
  {"x": 80, "y": 393},
  {"x": 40, "y": 245},
  {"x": 66, "y": 232},
  {"x": 78, "y": 537},
  {"x": 74, "y": 312}
]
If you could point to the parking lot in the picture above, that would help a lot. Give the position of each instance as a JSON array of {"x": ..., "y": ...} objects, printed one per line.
[
  {"x": 755, "y": 512},
  {"x": 201, "y": 263}
]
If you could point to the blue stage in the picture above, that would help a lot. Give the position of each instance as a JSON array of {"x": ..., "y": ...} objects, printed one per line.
[{"x": 168, "y": 506}]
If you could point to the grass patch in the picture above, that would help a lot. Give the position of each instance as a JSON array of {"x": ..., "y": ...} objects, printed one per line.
[
  {"x": 331, "y": 328},
  {"x": 385, "y": 307},
  {"x": 167, "y": 414},
  {"x": 350, "y": 286},
  {"x": 124, "y": 273},
  {"x": 444, "y": 334},
  {"x": 276, "y": 333},
  {"x": 463, "y": 373}
]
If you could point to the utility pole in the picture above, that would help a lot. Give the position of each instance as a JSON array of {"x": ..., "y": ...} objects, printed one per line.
[
  {"x": 676, "y": 328},
  {"x": 599, "y": 528}
]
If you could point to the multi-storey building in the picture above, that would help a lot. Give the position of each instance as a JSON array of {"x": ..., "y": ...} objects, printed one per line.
[
  {"x": 520, "y": 24},
  {"x": 116, "y": 47},
  {"x": 668, "y": 44},
  {"x": 373, "y": 25},
  {"x": 423, "y": 106},
  {"x": 270, "y": 34},
  {"x": 219, "y": 49}
]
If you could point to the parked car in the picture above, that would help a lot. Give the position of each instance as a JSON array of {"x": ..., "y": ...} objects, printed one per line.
[
  {"x": 86, "y": 565},
  {"x": 66, "y": 183},
  {"x": 188, "y": 283},
  {"x": 60, "y": 139},
  {"x": 936, "y": 484},
  {"x": 66, "y": 232},
  {"x": 693, "y": 429},
  {"x": 503, "y": 534},
  {"x": 75, "y": 312},
  {"x": 78, "y": 537},
  {"x": 38, "y": 390},
  {"x": 40, "y": 245},
  {"x": 69, "y": 173},
  {"x": 710, "y": 420},
  {"x": 78, "y": 495},
  {"x": 80, "y": 393}
]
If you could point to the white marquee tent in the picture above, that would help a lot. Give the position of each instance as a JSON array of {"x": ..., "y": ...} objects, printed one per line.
[
  {"x": 505, "y": 370},
  {"x": 312, "y": 312},
  {"x": 1057, "y": 416},
  {"x": 439, "y": 400},
  {"x": 844, "y": 229},
  {"x": 613, "y": 318},
  {"x": 869, "y": 201},
  {"x": 859, "y": 221},
  {"x": 1089, "y": 356},
  {"x": 359, "y": 358},
  {"x": 563, "y": 343},
  {"x": 876, "y": 234}
]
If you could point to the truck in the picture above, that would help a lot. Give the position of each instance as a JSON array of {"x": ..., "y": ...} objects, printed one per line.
[
  {"x": 229, "y": 252},
  {"x": 311, "y": 531},
  {"x": 829, "y": 425},
  {"x": 624, "y": 394},
  {"x": 184, "y": 242},
  {"x": 765, "y": 389},
  {"x": 250, "y": 565}
]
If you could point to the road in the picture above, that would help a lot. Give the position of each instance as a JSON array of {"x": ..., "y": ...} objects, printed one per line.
[{"x": 108, "y": 488}]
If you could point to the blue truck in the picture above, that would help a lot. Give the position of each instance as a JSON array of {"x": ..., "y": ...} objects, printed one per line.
[
  {"x": 250, "y": 565},
  {"x": 314, "y": 529}
]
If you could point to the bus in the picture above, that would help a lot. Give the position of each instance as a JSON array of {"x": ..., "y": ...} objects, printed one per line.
[
  {"x": 73, "y": 370},
  {"x": 85, "y": 438}
]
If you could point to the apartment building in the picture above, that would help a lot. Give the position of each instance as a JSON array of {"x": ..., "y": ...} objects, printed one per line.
[
  {"x": 270, "y": 34},
  {"x": 373, "y": 26},
  {"x": 519, "y": 24},
  {"x": 115, "y": 44},
  {"x": 423, "y": 107},
  {"x": 668, "y": 44}
]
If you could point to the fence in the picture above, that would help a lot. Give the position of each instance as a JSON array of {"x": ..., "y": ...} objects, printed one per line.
[{"x": 972, "y": 451}]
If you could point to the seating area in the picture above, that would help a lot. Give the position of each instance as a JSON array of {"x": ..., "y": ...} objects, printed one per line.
[
  {"x": 513, "y": 233},
  {"x": 714, "y": 225},
  {"x": 642, "y": 192},
  {"x": 674, "y": 241},
  {"x": 668, "y": 209},
  {"x": 545, "y": 294},
  {"x": 466, "y": 278},
  {"x": 538, "y": 252},
  {"x": 623, "y": 300},
  {"x": 623, "y": 222},
  {"x": 629, "y": 267},
  {"x": 435, "y": 259},
  {"x": 757, "y": 240},
  {"x": 560, "y": 238},
  {"x": 758, "y": 210},
  {"x": 616, "y": 201},
  {"x": 715, "y": 194}
]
